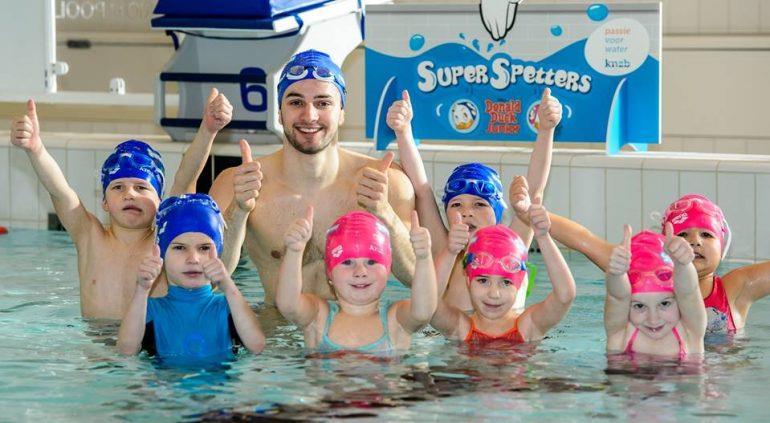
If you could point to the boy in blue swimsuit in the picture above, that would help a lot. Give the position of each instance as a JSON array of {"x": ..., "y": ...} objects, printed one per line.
[{"x": 191, "y": 322}]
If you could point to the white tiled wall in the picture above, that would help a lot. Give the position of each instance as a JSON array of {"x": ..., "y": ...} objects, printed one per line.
[{"x": 600, "y": 192}]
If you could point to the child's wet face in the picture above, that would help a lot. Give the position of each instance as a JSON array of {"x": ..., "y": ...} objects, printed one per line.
[
  {"x": 474, "y": 211},
  {"x": 707, "y": 249},
  {"x": 359, "y": 281},
  {"x": 492, "y": 296},
  {"x": 131, "y": 202},
  {"x": 185, "y": 258},
  {"x": 654, "y": 313}
]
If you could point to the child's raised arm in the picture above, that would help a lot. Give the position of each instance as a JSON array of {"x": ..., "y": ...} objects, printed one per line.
[
  {"x": 301, "y": 309},
  {"x": 25, "y": 134},
  {"x": 217, "y": 113},
  {"x": 617, "y": 303},
  {"x": 686, "y": 287},
  {"x": 416, "y": 312},
  {"x": 244, "y": 318},
  {"x": 131, "y": 329},
  {"x": 549, "y": 115},
  {"x": 546, "y": 314},
  {"x": 247, "y": 181},
  {"x": 399, "y": 119}
]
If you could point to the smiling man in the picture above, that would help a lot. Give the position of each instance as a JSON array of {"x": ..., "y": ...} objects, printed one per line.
[{"x": 263, "y": 197}]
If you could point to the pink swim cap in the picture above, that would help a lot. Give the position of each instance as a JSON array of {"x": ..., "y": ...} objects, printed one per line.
[
  {"x": 651, "y": 269},
  {"x": 697, "y": 211},
  {"x": 496, "y": 250},
  {"x": 354, "y": 235}
]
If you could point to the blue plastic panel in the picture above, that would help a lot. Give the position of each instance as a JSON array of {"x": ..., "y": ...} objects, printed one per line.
[{"x": 231, "y": 8}]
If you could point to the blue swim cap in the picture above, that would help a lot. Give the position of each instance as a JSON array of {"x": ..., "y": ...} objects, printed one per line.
[
  {"x": 189, "y": 213},
  {"x": 479, "y": 180},
  {"x": 134, "y": 159},
  {"x": 311, "y": 64}
]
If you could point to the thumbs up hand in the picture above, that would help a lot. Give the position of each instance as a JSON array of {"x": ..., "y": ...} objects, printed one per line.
[
  {"x": 299, "y": 232},
  {"x": 677, "y": 247},
  {"x": 149, "y": 269},
  {"x": 400, "y": 114},
  {"x": 372, "y": 189},
  {"x": 549, "y": 111},
  {"x": 538, "y": 218},
  {"x": 620, "y": 259},
  {"x": 217, "y": 113},
  {"x": 25, "y": 130},
  {"x": 247, "y": 180},
  {"x": 518, "y": 193},
  {"x": 459, "y": 234},
  {"x": 420, "y": 238}
]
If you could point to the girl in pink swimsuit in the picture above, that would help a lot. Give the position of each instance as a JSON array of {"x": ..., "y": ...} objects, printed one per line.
[{"x": 653, "y": 303}]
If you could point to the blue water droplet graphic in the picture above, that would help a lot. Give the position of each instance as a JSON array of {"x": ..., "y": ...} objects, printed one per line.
[
  {"x": 489, "y": 47},
  {"x": 475, "y": 44},
  {"x": 416, "y": 42},
  {"x": 556, "y": 30},
  {"x": 597, "y": 12},
  {"x": 462, "y": 35}
]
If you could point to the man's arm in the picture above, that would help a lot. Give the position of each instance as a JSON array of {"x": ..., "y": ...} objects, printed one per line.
[{"x": 217, "y": 113}]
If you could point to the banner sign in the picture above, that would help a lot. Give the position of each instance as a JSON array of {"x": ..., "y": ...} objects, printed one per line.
[{"x": 471, "y": 78}]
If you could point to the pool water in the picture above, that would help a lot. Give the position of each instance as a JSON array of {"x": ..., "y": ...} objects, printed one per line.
[{"x": 56, "y": 366}]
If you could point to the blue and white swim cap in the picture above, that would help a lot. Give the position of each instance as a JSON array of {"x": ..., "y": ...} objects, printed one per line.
[
  {"x": 189, "y": 213},
  {"x": 134, "y": 159},
  {"x": 311, "y": 64},
  {"x": 479, "y": 180}
]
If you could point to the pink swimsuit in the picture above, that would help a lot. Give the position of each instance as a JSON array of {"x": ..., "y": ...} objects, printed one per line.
[
  {"x": 630, "y": 345},
  {"x": 720, "y": 317}
]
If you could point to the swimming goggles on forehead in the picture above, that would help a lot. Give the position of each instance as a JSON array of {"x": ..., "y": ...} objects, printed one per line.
[
  {"x": 509, "y": 263},
  {"x": 136, "y": 158},
  {"x": 662, "y": 274},
  {"x": 698, "y": 203},
  {"x": 298, "y": 72},
  {"x": 478, "y": 186}
]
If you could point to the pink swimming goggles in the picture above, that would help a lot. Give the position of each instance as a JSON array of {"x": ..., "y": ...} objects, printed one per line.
[
  {"x": 355, "y": 235},
  {"x": 651, "y": 269},
  {"x": 496, "y": 251},
  {"x": 697, "y": 211}
]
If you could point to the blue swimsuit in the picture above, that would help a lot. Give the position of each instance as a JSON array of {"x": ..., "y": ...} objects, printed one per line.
[
  {"x": 383, "y": 344},
  {"x": 189, "y": 324}
]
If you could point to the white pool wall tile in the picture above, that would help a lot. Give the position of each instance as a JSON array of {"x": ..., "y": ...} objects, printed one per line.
[
  {"x": 600, "y": 192},
  {"x": 737, "y": 197}
]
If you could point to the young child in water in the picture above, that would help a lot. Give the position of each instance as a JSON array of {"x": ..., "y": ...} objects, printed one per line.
[
  {"x": 702, "y": 224},
  {"x": 495, "y": 266},
  {"x": 653, "y": 303},
  {"x": 132, "y": 180},
  {"x": 191, "y": 322},
  {"x": 357, "y": 261},
  {"x": 473, "y": 194}
]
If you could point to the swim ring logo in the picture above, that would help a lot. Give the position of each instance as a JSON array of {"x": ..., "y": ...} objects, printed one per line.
[
  {"x": 337, "y": 251},
  {"x": 532, "y": 118},
  {"x": 464, "y": 116}
]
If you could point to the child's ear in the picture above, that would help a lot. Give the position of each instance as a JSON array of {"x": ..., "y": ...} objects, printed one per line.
[
  {"x": 342, "y": 116},
  {"x": 104, "y": 205}
]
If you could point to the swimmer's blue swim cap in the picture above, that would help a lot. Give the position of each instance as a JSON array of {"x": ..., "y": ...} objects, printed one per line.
[
  {"x": 134, "y": 159},
  {"x": 189, "y": 213},
  {"x": 479, "y": 180},
  {"x": 311, "y": 64}
]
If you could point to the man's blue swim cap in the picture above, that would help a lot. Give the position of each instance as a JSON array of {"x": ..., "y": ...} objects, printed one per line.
[
  {"x": 189, "y": 213},
  {"x": 134, "y": 159},
  {"x": 479, "y": 180},
  {"x": 311, "y": 64}
]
